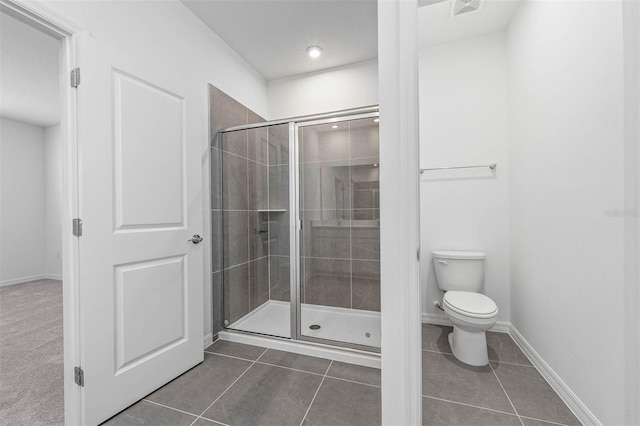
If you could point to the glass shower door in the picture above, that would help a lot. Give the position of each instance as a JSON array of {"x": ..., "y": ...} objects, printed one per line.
[
  {"x": 252, "y": 224},
  {"x": 339, "y": 237}
]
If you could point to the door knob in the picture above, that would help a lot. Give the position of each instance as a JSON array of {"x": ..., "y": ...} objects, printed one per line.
[{"x": 196, "y": 239}]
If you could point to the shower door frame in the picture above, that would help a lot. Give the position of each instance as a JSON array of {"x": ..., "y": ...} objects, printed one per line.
[
  {"x": 296, "y": 221},
  {"x": 295, "y": 228}
]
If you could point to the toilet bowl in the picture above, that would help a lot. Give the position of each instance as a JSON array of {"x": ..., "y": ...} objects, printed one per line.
[
  {"x": 460, "y": 274},
  {"x": 471, "y": 314}
]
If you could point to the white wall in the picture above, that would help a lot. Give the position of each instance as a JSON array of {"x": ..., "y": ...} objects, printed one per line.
[
  {"x": 22, "y": 225},
  {"x": 53, "y": 201},
  {"x": 463, "y": 121},
  {"x": 351, "y": 86},
  {"x": 160, "y": 29},
  {"x": 566, "y": 176}
]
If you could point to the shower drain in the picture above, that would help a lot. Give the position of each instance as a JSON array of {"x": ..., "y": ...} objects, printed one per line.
[{"x": 314, "y": 326}]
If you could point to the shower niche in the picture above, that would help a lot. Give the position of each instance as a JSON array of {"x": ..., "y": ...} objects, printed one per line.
[{"x": 295, "y": 220}]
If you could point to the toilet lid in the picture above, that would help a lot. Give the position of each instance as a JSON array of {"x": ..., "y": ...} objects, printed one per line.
[{"x": 470, "y": 304}]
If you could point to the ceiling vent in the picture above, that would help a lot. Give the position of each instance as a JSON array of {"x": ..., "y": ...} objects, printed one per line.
[{"x": 463, "y": 7}]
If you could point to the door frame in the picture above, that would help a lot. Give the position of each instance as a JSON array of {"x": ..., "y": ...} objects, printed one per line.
[{"x": 44, "y": 19}]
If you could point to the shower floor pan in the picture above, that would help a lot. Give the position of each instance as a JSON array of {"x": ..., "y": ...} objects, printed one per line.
[{"x": 338, "y": 324}]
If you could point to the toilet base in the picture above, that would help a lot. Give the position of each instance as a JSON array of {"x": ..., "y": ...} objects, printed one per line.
[{"x": 469, "y": 347}]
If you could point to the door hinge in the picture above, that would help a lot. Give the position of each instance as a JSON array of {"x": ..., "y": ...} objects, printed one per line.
[
  {"x": 75, "y": 77},
  {"x": 78, "y": 376},
  {"x": 77, "y": 227}
]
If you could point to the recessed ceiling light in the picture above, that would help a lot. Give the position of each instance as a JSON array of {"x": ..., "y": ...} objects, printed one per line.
[
  {"x": 376, "y": 120},
  {"x": 335, "y": 126},
  {"x": 314, "y": 51}
]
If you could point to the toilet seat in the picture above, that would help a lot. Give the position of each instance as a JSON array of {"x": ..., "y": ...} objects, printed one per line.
[{"x": 469, "y": 304}]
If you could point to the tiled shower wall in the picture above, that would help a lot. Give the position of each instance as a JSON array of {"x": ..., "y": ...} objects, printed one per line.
[{"x": 249, "y": 211}]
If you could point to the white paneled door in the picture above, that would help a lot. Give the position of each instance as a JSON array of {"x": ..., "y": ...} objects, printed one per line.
[{"x": 140, "y": 202}]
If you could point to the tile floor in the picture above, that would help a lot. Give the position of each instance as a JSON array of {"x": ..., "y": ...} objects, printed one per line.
[
  {"x": 508, "y": 391},
  {"x": 248, "y": 385}
]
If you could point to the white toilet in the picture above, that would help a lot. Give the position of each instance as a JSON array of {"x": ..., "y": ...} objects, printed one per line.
[{"x": 461, "y": 274}]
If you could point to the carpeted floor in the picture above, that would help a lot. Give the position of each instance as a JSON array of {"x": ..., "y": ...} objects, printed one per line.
[{"x": 31, "y": 354}]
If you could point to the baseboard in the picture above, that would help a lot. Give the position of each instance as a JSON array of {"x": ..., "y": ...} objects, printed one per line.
[
  {"x": 441, "y": 319},
  {"x": 564, "y": 392},
  {"x": 208, "y": 340},
  {"x": 29, "y": 279},
  {"x": 53, "y": 277}
]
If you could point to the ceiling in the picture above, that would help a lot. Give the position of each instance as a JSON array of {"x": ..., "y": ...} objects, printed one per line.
[
  {"x": 272, "y": 35},
  {"x": 435, "y": 26},
  {"x": 29, "y": 74}
]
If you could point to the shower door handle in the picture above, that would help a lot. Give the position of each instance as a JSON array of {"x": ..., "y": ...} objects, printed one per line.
[{"x": 195, "y": 239}]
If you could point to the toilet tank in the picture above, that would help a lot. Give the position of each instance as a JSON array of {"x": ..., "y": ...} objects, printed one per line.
[{"x": 459, "y": 270}]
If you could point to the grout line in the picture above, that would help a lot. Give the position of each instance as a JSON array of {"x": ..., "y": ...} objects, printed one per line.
[
  {"x": 546, "y": 421},
  {"x": 211, "y": 420},
  {"x": 511, "y": 363},
  {"x": 241, "y": 157},
  {"x": 505, "y": 392},
  {"x": 490, "y": 360},
  {"x": 240, "y": 264},
  {"x": 257, "y": 361},
  {"x": 170, "y": 408},
  {"x": 353, "y": 381},
  {"x": 288, "y": 368},
  {"x": 295, "y": 369},
  {"x": 437, "y": 352},
  {"x": 229, "y": 356},
  {"x": 316, "y": 394},
  {"x": 228, "y": 387},
  {"x": 333, "y": 210},
  {"x": 341, "y": 160},
  {"x": 470, "y": 405},
  {"x": 341, "y": 258},
  {"x": 260, "y": 356}
]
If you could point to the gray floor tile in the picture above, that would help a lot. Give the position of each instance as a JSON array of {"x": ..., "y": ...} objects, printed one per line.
[
  {"x": 146, "y": 413},
  {"x": 445, "y": 377},
  {"x": 536, "y": 422},
  {"x": 239, "y": 350},
  {"x": 502, "y": 348},
  {"x": 356, "y": 373},
  {"x": 205, "y": 422},
  {"x": 434, "y": 337},
  {"x": 442, "y": 413},
  {"x": 531, "y": 394},
  {"x": 345, "y": 403},
  {"x": 266, "y": 395},
  {"x": 299, "y": 362},
  {"x": 196, "y": 389}
]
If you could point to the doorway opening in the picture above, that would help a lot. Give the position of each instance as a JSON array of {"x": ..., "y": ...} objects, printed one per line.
[
  {"x": 31, "y": 296},
  {"x": 39, "y": 321}
]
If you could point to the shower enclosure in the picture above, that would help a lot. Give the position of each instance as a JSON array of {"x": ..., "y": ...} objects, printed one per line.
[{"x": 298, "y": 228}]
